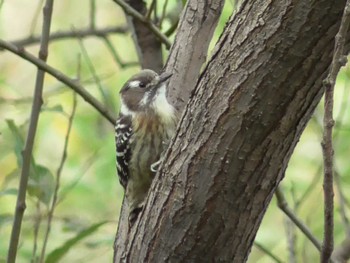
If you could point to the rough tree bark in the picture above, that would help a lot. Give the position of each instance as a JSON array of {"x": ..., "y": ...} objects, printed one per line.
[
  {"x": 247, "y": 112},
  {"x": 189, "y": 52}
]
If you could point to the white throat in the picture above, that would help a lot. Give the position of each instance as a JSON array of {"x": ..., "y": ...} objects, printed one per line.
[
  {"x": 162, "y": 107},
  {"x": 124, "y": 109}
]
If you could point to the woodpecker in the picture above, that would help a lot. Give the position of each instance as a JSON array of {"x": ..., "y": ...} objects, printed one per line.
[{"x": 146, "y": 123}]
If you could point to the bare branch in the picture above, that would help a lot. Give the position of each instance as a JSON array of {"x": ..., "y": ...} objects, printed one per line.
[
  {"x": 1, "y": 3},
  {"x": 163, "y": 14},
  {"x": 27, "y": 152},
  {"x": 267, "y": 252},
  {"x": 61, "y": 77},
  {"x": 132, "y": 12},
  {"x": 37, "y": 222},
  {"x": 93, "y": 72},
  {"x": 327, "y": 144},
  {"x": 58, "y": 179},
  {"x": 34, "y": 22},
  {"x": 115, "y": 55},
  {"x": 81, "y": 33},
  {"x": 151, "y": 9},
  {"x": 283, "y": 205},
  {"x": 92, "y": 14}
]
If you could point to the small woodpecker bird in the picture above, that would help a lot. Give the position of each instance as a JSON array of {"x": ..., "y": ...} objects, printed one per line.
[{"x": 145, "y": 126}]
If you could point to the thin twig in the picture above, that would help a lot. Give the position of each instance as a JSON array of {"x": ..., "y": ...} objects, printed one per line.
[
  {"x": 115, "y": 55},
  {"x": 93, "y": 71},
  {"x": 79, "y": 33},
  {"x": 163, "y": 14},
  {"x": 132, "y": 12},
  {"x": 172, "y": 29},
  {"x": 1, "y": 3},
  {"x": 291, "y": 235},
  {"x": 291, "y": 240},
  {"x": 58, "y": 179},
  {"x": 327, "y": 144},
  {"x": 36, "y": 17},
  {"x": 58, "y": 89},
  {"x": 37, "y": 222},
  {"x": 85, "y": 166},
  {"x": 92, "y": 14},
  {"x": 315, "y": 179},
  {"x": 61, "y": 77},
  {"x": 151, "y": 8},
  {"x": 27, "y": 152},
  {"x": 267, "y": 252},
  {"x": 283, "y": 205}
]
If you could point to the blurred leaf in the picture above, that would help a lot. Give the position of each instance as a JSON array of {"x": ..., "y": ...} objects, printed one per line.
[
  {"x": 73, "y": 224},
  {"x": 41, "y": 183},
  {"x": 11, "y": 176},
  {"x": 19, "y": 140},
  {"x": 56, "y": 108},
  {"x": 58, "y": 253},
  {"x": 11, "y": 191},
  {"x": 100, "y": 242}
]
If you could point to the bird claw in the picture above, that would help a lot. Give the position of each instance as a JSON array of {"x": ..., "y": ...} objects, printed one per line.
[{"x": 155, "y": 166}]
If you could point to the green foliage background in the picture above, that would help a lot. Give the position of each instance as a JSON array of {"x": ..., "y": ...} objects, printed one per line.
[{"x": 90, "y": 196}]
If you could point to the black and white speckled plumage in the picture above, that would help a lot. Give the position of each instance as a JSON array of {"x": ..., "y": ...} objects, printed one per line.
[
  {"x": 123, "y": 133},
  {"x": 145, "y": 126}
]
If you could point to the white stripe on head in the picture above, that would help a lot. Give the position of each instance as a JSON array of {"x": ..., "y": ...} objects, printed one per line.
[{"x": 134, "y": 84}]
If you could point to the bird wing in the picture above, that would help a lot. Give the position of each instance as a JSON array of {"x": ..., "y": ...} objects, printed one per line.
[{"x": 123, "y": 133}]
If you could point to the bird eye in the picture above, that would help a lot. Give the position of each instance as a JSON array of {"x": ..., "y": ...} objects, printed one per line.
[{"x": 142, "y": 85}]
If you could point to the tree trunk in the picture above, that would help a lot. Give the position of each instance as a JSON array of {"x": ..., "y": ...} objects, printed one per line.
[
  {"x": 247, "y": 112},
  {"x": 148, "y": 47}
]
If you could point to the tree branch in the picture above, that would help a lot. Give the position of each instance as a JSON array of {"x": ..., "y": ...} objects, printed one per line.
[
  {"x": 283, "y": 205},
  {"x": 135, "y": 14},
  {"x": 267, "y": 252},
  {"x": 27, "y": 152},
  {"x": 189, "y": 51},
  {"x": 81, "y": 33},
  {"x": 58, "y": 180},
  {"x": 148, "y": 47},
  {"x": 61, "y": 77},
  {"x": 327, "y": 144}
]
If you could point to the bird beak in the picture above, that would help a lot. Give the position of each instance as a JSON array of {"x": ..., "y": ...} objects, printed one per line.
[{"x": 164, "y": 77}]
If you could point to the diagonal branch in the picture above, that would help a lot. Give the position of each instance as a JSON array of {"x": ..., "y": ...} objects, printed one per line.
[
  {"x": 61, "y": 77},
  {"x": 283, "y": 205},
  {"x": 132, "y": 12}
]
